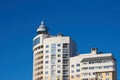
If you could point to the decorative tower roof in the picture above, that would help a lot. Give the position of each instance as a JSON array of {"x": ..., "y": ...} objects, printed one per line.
[{"x": 42, "y": 29}]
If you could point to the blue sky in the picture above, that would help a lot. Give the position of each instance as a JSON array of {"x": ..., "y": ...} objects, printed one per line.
[{"x": 90, "y": 23}]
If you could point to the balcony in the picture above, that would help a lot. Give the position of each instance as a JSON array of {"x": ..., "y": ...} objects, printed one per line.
[
  {"x": 97, "y": 70},
  {"x": 97, "y": 64},
  {"x": 89, "y": 76},
  {"x": 65, "y": 67}
]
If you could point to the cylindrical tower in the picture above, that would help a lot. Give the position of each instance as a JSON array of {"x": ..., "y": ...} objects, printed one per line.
[{"x": 38, "y": 52}]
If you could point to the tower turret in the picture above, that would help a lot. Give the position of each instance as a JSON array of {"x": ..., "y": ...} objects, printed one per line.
[{"x": 42, "y": 29}]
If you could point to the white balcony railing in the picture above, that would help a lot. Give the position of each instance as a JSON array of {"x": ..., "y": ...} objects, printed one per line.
[
  {"x": 89, "y": 76},
  {"x": 97, "y": 70}
]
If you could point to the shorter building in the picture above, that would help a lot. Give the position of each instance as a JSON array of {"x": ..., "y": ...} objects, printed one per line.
[{"x": 92, "y": 66}]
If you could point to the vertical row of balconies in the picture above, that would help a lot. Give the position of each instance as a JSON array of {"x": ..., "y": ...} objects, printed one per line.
[
  {"x": 66, "y": 61},
  {"x": 38, "y": 63}
]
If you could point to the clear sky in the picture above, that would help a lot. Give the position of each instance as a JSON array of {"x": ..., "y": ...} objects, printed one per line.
[{"x": 90, "y": 23}]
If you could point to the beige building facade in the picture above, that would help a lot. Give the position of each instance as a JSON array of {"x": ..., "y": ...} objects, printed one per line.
[
  {"x": 55, "y": 58},
  {"x": 93, "y": 66}
]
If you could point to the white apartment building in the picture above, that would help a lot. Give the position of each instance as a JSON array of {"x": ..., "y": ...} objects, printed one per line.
[
  {"x": 52, "y": 55},
  {"x": 55, "y": 58}
]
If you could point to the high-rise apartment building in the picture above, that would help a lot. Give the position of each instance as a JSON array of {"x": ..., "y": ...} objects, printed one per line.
[{"x": 55, "y": 58}]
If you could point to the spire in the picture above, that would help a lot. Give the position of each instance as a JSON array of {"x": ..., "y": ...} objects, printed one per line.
[
  {"x": 42, "y": 22},
  {"x": 42, "y": 25},
  {"x": 42, "y": 29}
]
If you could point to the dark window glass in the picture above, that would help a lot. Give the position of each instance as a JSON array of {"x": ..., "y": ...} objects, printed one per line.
[
  {"x": 36, "y": 41},
  {"x": 59, "y": 45},
  {"x": 78, "y": 64}
]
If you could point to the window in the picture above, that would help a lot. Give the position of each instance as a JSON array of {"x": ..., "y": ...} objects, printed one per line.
[
  {"x": 36, "y": 41},
  {"x": 38, "y": 78},
  {"x": 107, "y": 74},
  {"x": 72, "y": 65},
  {"x": 41, "y": 46},
  {"x": 78, "y": 70},
  {"x": 72, "y": 76},
  {"x": 65, "y": 55},
  {"x": 85, "y": 79},
  {"x": 38, "y": 47},
  {"x": 59, "y": 50},
  {"x": 46, "y": 62},
  {"x": 72, "y": 71},
  {"x": 46, "y": 51},
  {"x": 91, "y": 62},
  {"x": 58, "y": 77},
  {"x": 100, "y": 61},
  {"x": 58, "y": 71},
  {"x": 65, "y": 77},
  {"x": 65, "y": 45},
  {"x": 65, "y": 50},
  {"x": 53, "y": 51},
  {"x": 53, "y": 67},
  {"x": 77, "y": 76},
  {"x": 98, "y": 67},
  {"x": 53, "y": 45},
  {"x": 78, "y": 65},
  {"x": 53, "y": 56},
  {"x": 39, "y": 68},
  {"x": 59, "y": 45},
  {"x": 46, "y": 78},
  {"x": 65, "y": 67},
  {"x": 53, "y": 72},
  {"x": 99, "y": 74},
  {"x": 38, "y": 73},
  {"x": 46, "y": 72},
  {"x": 65, "y": 61},
  {"x": 107, "y": 79},
  {"x": 91, "y": 68},
  {"x": 53, "y": 61},
  {"x": 110, "y": 66},
  {"x": 38, "y": 58},
  {"x": 40, "y": 52},
  {"x": 59, "y": 55},
  {"x": 47, "y": 46},
  {"x": 85, "y": 68},
  {"x": 46, "y": 56},
  {"x": 59, "y": 60}
]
